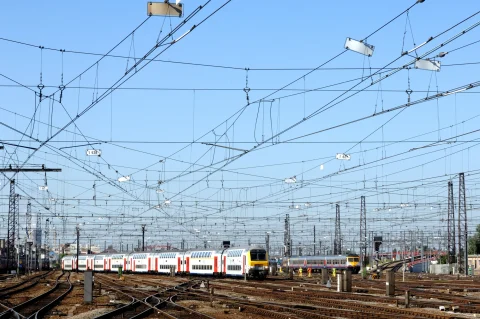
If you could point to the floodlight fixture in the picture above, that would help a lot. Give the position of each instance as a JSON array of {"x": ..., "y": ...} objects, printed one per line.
[
  {"x": 429, "y": 65},
  {"x": 359, "y": 47}
]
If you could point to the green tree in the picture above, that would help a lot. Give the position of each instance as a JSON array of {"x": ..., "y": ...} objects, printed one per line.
[{"x": 474, "y": 242}]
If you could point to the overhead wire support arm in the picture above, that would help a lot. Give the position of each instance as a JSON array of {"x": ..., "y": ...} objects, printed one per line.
[
  {"x": 18, "y": 169},
  {"x": 227, "y": 147}
]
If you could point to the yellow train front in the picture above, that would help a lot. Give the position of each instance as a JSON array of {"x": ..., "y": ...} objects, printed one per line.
[{"x": 256, "y": 262}]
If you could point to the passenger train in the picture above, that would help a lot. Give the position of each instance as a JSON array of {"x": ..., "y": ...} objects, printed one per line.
[
  {"x": 231, "y": 262},
  {"x": 316, "y": 263}
]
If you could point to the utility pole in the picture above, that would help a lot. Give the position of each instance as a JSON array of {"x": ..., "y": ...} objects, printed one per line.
[
  {"x": 337, "y": 245},
  {"x": 143, "y": 237},
  {"x": 363, "y": 231},
  {"x": 314, "y": 240},
  {"x": 462, "y": 259},
  {"x": 17, "y": 211},
  {"x": 78, "y": 245},
  {"x": 29, "y": 239},
  {"x": 267, "y": 243},
  {"x": 451, "y": 225}
]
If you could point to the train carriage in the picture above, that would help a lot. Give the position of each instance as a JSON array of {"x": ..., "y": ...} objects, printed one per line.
[
  {"x": 140, "y": 262},
  {"x": 117, "y": 261},
  {"x": 316, "y": 263},
  {"x": 98, "y": 263},
  {"x": 165, "y": 261},
  {"x": 234, "y": 261},
  {"x": 241, "y": 261},
  {"x": 69, "y": 263},
  {"x": 82, "y": 262},
  {"x": 201, "y": 262}
]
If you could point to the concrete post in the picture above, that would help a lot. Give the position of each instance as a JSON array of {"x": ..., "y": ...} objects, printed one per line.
[
  {"x": 290, "y": 273},
  {"x": 88, "y": 287},
  {"x": 324, "y": 276},
  {"x": 339, "y": 283},
  {"x": 347, "y": 281},
  {"x": 390, "y": 283},
  {"x": 407, "y": 298}
]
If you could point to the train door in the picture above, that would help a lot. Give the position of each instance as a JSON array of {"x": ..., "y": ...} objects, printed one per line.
[
  {"x": 215, "y": 265},
  {"x": 243, "y": 264},
  {"x": 188, "y": 264},
  {"x": 124, "y": 264},
  {"x": 179, "y": 264},
  {"x": 156, "y": 264},
  {"x": 104, "y": 264},
  {"x": 63, "y": 264},
  {"x": 109, "y": 264},
  {"x": 149, "y": 260},
  {"x": 225, "y": 264},
  {"x": 134, "y": 265}
]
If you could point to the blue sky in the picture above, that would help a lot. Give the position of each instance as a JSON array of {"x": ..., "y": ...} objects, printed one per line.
[{"x": 176, "y": 103}]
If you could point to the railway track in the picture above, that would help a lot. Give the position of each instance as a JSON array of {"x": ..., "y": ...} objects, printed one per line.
[
  {"x": 38, "y": 306},
  {"x": 160, "y": 304},
  {"x": 22, "y": 286},
  {"x": 340, "y": 304}
]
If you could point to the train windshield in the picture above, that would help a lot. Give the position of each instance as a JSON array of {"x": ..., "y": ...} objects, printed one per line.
[
  {"x": 353, "y": 259},
  {"x": 258, "y": 254}
]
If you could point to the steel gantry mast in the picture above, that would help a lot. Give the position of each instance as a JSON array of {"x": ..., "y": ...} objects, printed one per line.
[
  {"x": 337, "y": 244},
  {"x": 462, "y": 259},
  {"x": 451, "y": 225},
  {"x": 11, "y": 225},
  {"x": 286, "y": 237},
  {"x": 38, "y": 240},
  {"x": 363, "y": 231},
  {"x": 13, "y": 209}
]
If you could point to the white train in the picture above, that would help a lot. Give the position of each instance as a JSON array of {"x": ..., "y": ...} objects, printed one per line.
[{"x": 233, "y": 262}]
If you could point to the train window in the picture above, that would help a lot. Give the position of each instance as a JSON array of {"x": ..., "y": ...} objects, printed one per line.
[{"x": 257, "y": 254}]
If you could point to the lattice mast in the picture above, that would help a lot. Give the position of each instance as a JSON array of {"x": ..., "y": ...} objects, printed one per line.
[
  {"x": 286, "y": 237},
  {"x": 451, "y": 247},
  {"x": 363, "y": 231},
  {"x": 462, "y": 259},
  {"x": 337, "y": 243},
  {"x": 11, "y": 226}
]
